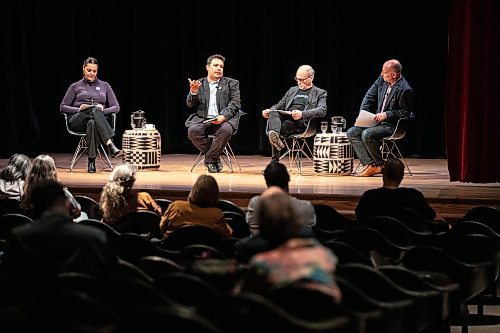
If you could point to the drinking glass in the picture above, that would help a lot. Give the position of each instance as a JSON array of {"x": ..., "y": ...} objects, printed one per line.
[{"x": 324, "y": 126}]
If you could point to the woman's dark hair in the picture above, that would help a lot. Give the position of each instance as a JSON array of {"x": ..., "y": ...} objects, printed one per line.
[
  {"x": 17, "y": 168},
  {"x": 90, "y": 60},
  {"x": 205, "y": 192}
]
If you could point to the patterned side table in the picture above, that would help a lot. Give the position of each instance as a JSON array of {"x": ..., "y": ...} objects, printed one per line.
[
  {"x": 333, "y": 154},
  {"x": 142, "y": 148}
]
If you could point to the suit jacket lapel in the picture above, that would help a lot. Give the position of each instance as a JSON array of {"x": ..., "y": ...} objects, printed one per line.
[{"x": 290, "y": 99}]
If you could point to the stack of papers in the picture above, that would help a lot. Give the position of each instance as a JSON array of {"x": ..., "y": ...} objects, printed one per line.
[{"x": 365, "y": 119}]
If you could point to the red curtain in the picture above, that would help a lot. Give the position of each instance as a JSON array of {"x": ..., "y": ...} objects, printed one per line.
[{"x": 473, "y": 91}]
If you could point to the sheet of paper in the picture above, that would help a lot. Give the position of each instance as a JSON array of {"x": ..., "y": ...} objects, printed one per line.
[
  {"x": 283, "y": 112},
  {"x": 209, "y": 120},
  {"x": 365, "y": 119}
]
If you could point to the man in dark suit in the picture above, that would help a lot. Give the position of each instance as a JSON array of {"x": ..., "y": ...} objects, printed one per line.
[
  {"x": 390, "y": 98},
  {"x": 218, "y": 98},
  {"x": 301, "y": 103}
]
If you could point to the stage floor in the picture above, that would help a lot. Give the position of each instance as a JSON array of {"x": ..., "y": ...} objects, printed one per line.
[{"x": 174, "y": 180}]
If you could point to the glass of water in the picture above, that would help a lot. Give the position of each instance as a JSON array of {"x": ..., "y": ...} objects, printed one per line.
[{"x": 324, "y": 126}]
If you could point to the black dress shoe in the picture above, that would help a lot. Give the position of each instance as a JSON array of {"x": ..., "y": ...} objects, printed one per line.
[
  {"x": 219, "y": 166},
  {"x": 115, "y": 152},
  {"x": 212, "y": 167},
  {"x": 91, "y": 166}
]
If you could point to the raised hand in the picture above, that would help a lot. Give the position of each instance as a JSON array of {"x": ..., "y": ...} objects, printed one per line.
[{"x": 194, "y": 86}]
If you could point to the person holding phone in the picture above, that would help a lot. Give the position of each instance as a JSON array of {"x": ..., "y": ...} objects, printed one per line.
[{"x": 217, "y": 102}]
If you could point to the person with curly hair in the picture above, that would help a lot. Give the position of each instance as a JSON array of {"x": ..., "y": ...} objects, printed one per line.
[{"x": 118, "y": 197}]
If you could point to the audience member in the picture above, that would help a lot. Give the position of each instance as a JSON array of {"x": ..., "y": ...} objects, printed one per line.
[
  {"x": 118, "y": 197},
  {"x": 54, "y": 243},
  {"x": 12, "y": 177},
  {"x": 293, "y": 259},
  {"x": 378, "y": 201},
  {"x": 276, "y": 174},
  {"x": 44, "y": 168},
  {"x": 247, "y": 247},
  {"x": 199, "y": 209}
]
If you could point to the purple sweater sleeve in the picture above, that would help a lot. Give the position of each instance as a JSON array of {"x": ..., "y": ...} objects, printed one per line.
[{"x": 82, "y": 92}]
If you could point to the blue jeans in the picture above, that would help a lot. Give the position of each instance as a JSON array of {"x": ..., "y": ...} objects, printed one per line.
[{"x": 366, "y": 142}]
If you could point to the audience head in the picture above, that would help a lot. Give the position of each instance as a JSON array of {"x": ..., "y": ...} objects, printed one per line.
[
  {"x": 49, "y": 196},
  {"x": 205, "y": 192},
  {"x": 113, "y": 199},
  {"x": 393, "y": 172},
  {"x": 276, "y": 174},
  {"x": 42, "y": 168},
  {"x": 18, "y": 168},
  {"x": 277, "y": 217}
]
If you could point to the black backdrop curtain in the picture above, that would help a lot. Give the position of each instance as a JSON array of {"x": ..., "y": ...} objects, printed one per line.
[
  {"x": 472, "y": 117},
  {"x": 148, "y": 49}
]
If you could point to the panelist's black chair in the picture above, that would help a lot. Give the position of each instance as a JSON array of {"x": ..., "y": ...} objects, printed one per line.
[
  {"x": 227, "y": 156},
  {"x": 298, "y": 147},
  {"x": 83, "y": 147}
]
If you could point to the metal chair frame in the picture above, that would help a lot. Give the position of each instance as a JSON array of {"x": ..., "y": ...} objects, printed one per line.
[
  {"x": 227, "y": 156},
  {"x": 83, "y": 147},
  {"x": 298, "y": 147}
]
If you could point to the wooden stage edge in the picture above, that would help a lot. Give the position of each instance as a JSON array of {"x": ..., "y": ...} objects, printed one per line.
[{"x": 174, "y": 180}]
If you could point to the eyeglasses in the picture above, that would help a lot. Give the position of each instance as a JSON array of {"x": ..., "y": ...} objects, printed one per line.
[{"x": 298, "y": 79}]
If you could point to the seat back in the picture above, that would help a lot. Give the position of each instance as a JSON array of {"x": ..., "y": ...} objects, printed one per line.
[
  {"x": 229, "y": 206},
  {"x": 89, "y": 206},
  {"x": 312, "y": 126},
  {"x": 400, "y": 130},
  {"x": 140, "y": 222}
]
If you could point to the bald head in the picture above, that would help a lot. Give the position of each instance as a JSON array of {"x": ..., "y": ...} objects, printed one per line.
[{"x": 394, "y": 65}]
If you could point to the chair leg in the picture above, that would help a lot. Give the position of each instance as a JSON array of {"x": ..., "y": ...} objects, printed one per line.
[
  {"x": 233, "y": 156},
  {"x": 388, "y": 147},
  {"x": 80, "y": 150},
  {"x": 357, "y": 167},
  {"x": 103, "y": 155},
  {"x": 198, "y": 160}
]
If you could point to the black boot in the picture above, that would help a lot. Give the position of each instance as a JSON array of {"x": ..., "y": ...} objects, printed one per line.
[
  {"x": 115, "y": 152},
  {"x": 91, "y": 167}
]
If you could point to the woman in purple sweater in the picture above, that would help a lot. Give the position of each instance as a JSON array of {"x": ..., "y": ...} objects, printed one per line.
[{"x": 87, "y": 102}]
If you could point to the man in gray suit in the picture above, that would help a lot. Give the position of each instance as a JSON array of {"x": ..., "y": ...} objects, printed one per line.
[
  {"x": 301, "y": 103},
  {"x": 217, "y": 100}
]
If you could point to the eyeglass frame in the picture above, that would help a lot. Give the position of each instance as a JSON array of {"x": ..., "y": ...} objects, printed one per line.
[{"x": 302, "y": 80}]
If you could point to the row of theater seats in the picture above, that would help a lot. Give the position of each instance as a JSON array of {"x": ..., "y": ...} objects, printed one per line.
[{"x": 391, "y": 280}]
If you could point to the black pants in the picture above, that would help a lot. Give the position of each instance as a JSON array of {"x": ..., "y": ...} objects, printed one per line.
[
  {"x": 198, "y": 134},
  {"x": 285, "y": 126},
  {"x": 94, "y": 123}
]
